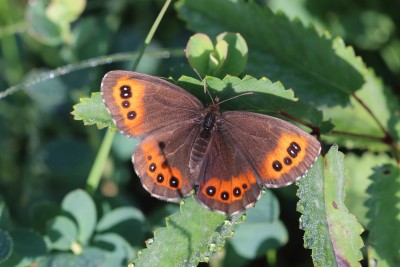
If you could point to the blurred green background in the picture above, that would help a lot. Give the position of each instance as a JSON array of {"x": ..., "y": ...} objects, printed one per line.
[{"x": 45, "y": 153}]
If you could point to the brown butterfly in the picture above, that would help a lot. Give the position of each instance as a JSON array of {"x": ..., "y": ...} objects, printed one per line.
[{"x": 227, "y": 156}]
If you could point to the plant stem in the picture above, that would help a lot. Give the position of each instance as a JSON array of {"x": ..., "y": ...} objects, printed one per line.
[
  {"x": 97, "y": 169},
  {"x": 151, "y": 33}
]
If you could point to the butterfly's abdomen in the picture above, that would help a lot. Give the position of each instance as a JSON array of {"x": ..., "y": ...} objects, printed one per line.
[{"x": 198, "y": 151}]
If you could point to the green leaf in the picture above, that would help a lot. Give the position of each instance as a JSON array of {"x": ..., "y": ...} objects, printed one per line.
[
  {"x": 91, "y": 257},
  {"x": 279, "y": 49},
  {"x": 384, "y": 215},
  {"x": 65, "y": 11},
  {"x": 40, "y": 27},
  {"x": 331, "y": 231},
  {"x": 92, "y": 111},
  {"x": 62, "y": 232},
  {"x": 118, "y": 216},
  {"x": 6, "y": 244},
  {"x": 262, "y": 230},
  {"x": 5, "y": 220},
  {"x": 117, "y": 252},
  {"x": 267, "y": 97},
  {"x": 198, "y": 50},
  {"x": 235, "y": 61},
  {"x": 359, "y": 168},
  {"x": 28, "y": 246},
  {"x": 191, "y": 236},
  {"x": 81, "y": 207}
]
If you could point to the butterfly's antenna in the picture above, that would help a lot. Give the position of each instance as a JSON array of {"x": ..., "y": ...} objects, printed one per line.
[
  {"x": 204, "y": 85},
  {"x": 233, "y": 97}
]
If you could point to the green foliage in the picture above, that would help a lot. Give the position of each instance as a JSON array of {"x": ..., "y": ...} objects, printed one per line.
[
  {"x": 263, "y": 231},
  {"x": 228, "y": 56},
  {"x": 329, "y": 67},
  {"x": 92, "y": 111},
  {"x": 331, "y": 231},
  {"x": 384, "y": 215}
]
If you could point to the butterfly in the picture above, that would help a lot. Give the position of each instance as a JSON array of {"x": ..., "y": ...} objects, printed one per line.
[{"x": 228, "y": 157}]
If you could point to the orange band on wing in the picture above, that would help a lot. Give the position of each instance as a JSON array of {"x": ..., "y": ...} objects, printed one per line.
[
  {"x": 229, "y": 190},
  {"x": 288, "y": 154},
  {"x": 128, "y": 95},
  {"x": 158, "y": 168}
]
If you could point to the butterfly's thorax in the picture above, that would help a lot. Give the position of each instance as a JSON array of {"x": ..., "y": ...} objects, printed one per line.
[{"x": 209, "y": 122}]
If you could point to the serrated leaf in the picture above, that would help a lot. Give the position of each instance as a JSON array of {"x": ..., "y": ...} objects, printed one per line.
[
  {"x": 279, "y": 48},
  {"x": 191, "y": 236},
  {"x": 268, "y": 98},
  {"x": 384, "y": 216},
  {"x": 93, "y": 111},
  {"x": 6, "y": 244},
  {"x": 81, "y": 207},
  {"x": 262, "y": 230},
  {"x": 62, "y": 232},
  {"x": 117, "y": 216},
  {"x": 331, "y": 231},
  {"x": 359, "y": 168},
  {"x": 355, "y": 119}
]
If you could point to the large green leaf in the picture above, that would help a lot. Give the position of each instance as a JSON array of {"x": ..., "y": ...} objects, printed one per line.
[
  {"x": 384, "y": 216},
  {"x": 191, "y": 235},
  {"x": 331, "y": 231},
  {"x": 279, "y": 48}
]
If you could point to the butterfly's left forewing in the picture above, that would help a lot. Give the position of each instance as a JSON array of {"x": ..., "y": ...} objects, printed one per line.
[{"x": 140, "y": 104}]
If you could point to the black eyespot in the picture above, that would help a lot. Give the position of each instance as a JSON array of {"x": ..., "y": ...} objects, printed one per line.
[
  {"x": 287, "y": 161},
  {"x": 160, "y": 178},
  {"x": 152, "y": 167},
  {"x": 277, "y": 166},
  {"x": 131, "y": 115},
  {"x": 174, "y": 182},
  {"x": 292, "y": 153},
  {"x": 211, "y": 191},
  {"x": 125, "y": 91},
  {"x": 295, "y": 147},
  {"x": 237, "y": 192},
  {"x": 149, "y": 157},
  {"x": 244, "y": 186},
  {"x": 224, "y": 195},
  {"x": 126, "y": 104}
]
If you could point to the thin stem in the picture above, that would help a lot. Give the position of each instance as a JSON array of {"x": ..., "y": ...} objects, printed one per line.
[
  {"x": 370, "y": 137},
  {"x": 374, "y": 117},
  {"x": 314, "y": 130},
  {"x": 99, "y": 163},
  {"x": 151, "y": 33}
]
